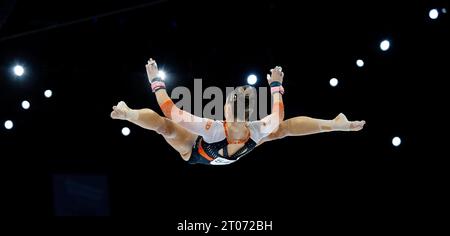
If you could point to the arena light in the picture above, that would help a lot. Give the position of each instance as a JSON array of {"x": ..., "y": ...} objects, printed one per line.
[
  {"x": 18, "y": 70},
  {"x": 334, "y": 82},
  {"x": 396, "y": 141},
  {"x": 9, "y": 124},
  {"x": 48, "y": 93},
  {"x": 433, "y": 14},
  {"x": 360, "y": 63},
  {"x": 26, "y": 104},
  {"x": 126, "y": 131},
  {"x": 385, "y": 45},
  {"x": 251, "y": 79},
  {"x": 162, "y": 74}
]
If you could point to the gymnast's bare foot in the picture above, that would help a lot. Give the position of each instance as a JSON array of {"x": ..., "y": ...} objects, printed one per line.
[
  {"x": 343, "y": 124},
  {"x": 121, "y": 111}
]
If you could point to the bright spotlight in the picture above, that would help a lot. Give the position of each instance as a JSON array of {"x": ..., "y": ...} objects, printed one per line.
[
  {"x": 9, "y": 124},
  {"x": 251, "y": 79},
  {"x": 360, "y": 63},
  {"x": 125, "y": 131},
  {"x": 433, "y": 14},
  {"x": 333, "y": 82},
  {"x": 48, "y": 93},
  {"x": 26, "y": 104},
  {"x": 396, "y": 141},
  {"x": 444, "y": 10},
  {"x": 18, "y": 70},
  {"x": 162, "y": 74},
  {"x": 385, "y": 45}
]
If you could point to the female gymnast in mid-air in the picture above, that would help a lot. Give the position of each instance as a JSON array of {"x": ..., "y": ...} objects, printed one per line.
[{"x": 213, "y": 142}]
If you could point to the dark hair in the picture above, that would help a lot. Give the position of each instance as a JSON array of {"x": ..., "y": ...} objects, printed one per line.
[
  {"x": 236, "y": 97},
  {"x": 246, "y": 107}
]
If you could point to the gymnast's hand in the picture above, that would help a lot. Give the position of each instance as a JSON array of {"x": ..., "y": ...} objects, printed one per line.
[
  {"x": 152, "y": 69},
  {"x": 276, "y": 75}
]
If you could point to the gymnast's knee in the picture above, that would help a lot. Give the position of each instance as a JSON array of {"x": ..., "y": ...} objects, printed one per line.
[{"x": 167, "y": 128}]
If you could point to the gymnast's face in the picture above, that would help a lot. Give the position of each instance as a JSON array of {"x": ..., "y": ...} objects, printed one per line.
[{"x": 239, "y": 104}]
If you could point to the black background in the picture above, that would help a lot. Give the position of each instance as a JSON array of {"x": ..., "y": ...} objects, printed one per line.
[{"x": 356, "y": 179}]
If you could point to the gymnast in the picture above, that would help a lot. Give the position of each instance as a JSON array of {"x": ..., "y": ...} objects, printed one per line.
[{"x": 213, "y": 142}]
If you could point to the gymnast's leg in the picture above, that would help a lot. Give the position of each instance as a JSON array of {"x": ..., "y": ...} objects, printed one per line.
[
  {"x": 303, "y": 125},
  {"x": 178, "y": 137}
]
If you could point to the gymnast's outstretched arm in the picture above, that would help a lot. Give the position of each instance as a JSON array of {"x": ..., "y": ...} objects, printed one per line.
[
  {"x": 158, "y": 85},
  {"x": 271, "y": 122},
  {"x": 197, "y": 125}
]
